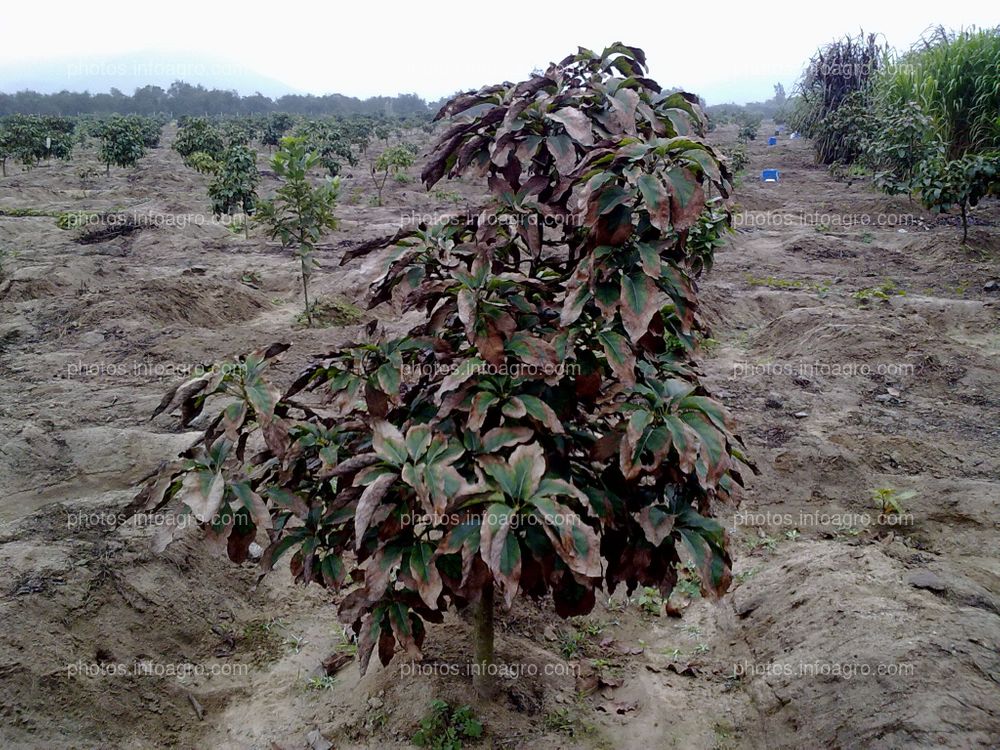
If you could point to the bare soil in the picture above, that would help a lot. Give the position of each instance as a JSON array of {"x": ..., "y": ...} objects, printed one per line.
[{"x": 843, "y": 629}]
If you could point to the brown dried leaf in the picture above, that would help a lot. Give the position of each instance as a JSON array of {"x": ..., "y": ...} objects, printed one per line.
[{"x": 369, "y": 501}]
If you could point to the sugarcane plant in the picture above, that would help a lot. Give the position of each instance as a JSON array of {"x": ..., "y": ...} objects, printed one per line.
[
  {"x": 834, "y": 96},
  {"x": 937, "y": 131},
  {"x": 541, "y": 431}
]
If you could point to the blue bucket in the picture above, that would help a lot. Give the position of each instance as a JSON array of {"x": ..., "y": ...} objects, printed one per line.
[
  {"x": 772, "y": 141},
  {"x": 769, "y": 175}
]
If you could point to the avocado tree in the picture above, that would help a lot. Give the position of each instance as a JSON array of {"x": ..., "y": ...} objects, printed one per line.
[
  {"x": 151, "y": 129},
  {"x": 29, "y": 139},
  {"x": 748, "y": 130},
  {"x": 391, "y": 161},
  {"x": 538, "y": 433},
  {"x": 274, "y": 129},
  {"x": 198, "y": 135},
  {"x": 300, "y": 212},
  {"x": 944, "y": 183},
  {"x": 737, "y": 157},
  {"x": 122, "y": 142},
  {"x": 7, "y": 146},
  {"x": 327, "y": 139},
  {"x": 359, "y": 132},
  {"x": 901, "y": 139},
  {"x": 57, "y": 137},
  {"x": 234, "y": 187},
  {"x": 239, "y": 131}
]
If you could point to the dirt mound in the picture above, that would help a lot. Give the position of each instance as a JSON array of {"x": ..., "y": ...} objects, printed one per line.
[
  {"x": 899, "y": 642},
  {"x": 194, "y": 302},
  {"x": 819, "y": 246},
  {"x": 739, "y": 304},
  {"x": 105, "y": 650},
  {"x": 835, "y": 335},
  {"x": 35, "y": 282},
  {"x": 40, "y": 460}
]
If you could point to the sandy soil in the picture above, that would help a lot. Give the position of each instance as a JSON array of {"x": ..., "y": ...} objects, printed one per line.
[{"x": 842, "y": 630}]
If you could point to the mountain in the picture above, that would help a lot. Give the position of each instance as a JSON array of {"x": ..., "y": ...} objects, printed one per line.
[{"x": 126, "y": 73}]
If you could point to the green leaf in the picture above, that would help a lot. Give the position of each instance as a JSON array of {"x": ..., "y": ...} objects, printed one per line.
[
  {"x": 657, "y": 202},
  {"x": 575, "y": 542},
  {"x": 263, "y": 397},
  {"x": 542, "y": 412},
  {"x": 424, "y": 572},
  {"x": 708, "y": 561},
  {"x": 388, "y": 443},
  {"x": 650, "y": 258},
  {"x": 519, "y": 475},
  {"x": 641, "y": 299},
  {"x": 388, "y": 378},
  {"x": 510, "y": 556},
  {"x": 333, "y": 570},
  {"x": 610, "y": 197},
  {"x": 399, "y": 619},
  {"x": 253, "y": 503},
  {"x": 504, "y": 437},
  {"x": 202, "y": 492},
  {"x": 607, "y": 294},
  {"x": 288, "y": 500},
  {"x": 710, "y": 408},
  {"x": 465, "y": 534},
  {"x": 713, "y": 446},
  {"x": 418, "y": 439},
  {"x": 621, "y": 358}
]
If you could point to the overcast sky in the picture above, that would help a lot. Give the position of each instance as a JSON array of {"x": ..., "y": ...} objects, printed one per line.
[{"x": 722, "y": 51}]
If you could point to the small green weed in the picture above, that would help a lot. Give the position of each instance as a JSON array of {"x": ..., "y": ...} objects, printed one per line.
[
  {"x": 890, "y": 501},
  {"x": 883, "y": 291},
  {"x": 331, "y": 312},
  {"x": 445, "y": 728}
]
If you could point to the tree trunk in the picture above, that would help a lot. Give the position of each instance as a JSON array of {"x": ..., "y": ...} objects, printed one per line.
[
  {"x": 483, "y": 679},
  {"x": 965, "y": 225},
  {"x": 305, "y": 292}
]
